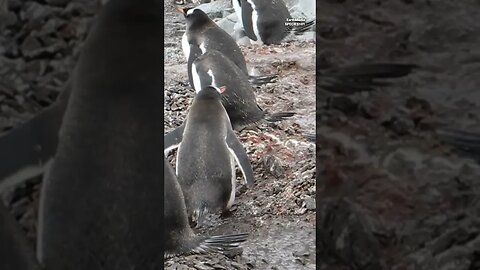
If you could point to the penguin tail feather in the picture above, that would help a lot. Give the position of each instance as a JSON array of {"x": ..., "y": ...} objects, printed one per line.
[
  {"x": 298, "y": 30},
  {"x": 465, "y": 141},
  {"x": 361, "y": 77},
  {"x": 213, "y": 244},
  {"x": 311, "y": 137},
  {"x": 280, "y": 116},
  {"x": 259, "y": 80}
]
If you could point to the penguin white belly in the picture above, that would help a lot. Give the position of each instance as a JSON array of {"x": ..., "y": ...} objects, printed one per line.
[
  {"x": 255, "y": 24},
  {"x": 185, "y": 46},
  {"x": 234, "y": 178},
  {"x": 238, "y": 11},
  {"x": 176, "y": 159},
  {"x": 197, "y": 83}
]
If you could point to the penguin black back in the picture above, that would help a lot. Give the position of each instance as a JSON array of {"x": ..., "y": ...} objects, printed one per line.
[
  {"x": 203, "y": 33},
  {"x": 100, "y": 206},
  {"x": 214, "y": 68},
  {"x": 207, "y": 151}
]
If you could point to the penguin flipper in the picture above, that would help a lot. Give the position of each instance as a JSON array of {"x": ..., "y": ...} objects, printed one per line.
[
  {"x": 264, "y": 79},
  {"x": 173, "y": 139},
  {"x": 194, "y": 53},
  {"x": 15, "y": 251},
  {"x": 241, "y": 157},
  {"x": 247, "y": 12},
  {"x": 26, "y": 149},
  {"x": 465, "y": 141}
]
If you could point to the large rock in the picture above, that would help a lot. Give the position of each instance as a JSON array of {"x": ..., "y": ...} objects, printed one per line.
[
  {"x": 228, "y": 23},
  {"x": 301, "y": 8},
  {"x": 216, "y": 9}
]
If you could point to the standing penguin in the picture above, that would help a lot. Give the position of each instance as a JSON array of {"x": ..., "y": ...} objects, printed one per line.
[
  {"x": 265, "y": 20},
  {"x": 100, "y": 206},
  {"x": 207, "y": 151},
  {"x": 179, "y": 237},
  {"x": 203, "y": 34},
  {"x": 214, "y": 68}
]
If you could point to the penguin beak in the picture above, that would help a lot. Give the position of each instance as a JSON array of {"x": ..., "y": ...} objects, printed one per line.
[
  {"x": 222, "y": 89},
  {"x": 181, "y": 10}
]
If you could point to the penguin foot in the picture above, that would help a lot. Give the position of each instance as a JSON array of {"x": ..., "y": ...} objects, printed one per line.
[
  {"x": 259, "y": 80},
  {"x": 226, "y": 214}
]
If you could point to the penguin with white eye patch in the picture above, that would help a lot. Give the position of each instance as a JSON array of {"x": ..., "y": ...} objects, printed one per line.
[
  {"x": 214, "y": 68},
  {"x": 264, "y": 21},
  {"x": 202, "y": 35},
  {"x": 207, "y": 152}
]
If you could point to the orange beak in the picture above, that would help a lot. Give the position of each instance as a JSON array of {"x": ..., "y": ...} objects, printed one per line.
[{"x": 179, "y": 9}]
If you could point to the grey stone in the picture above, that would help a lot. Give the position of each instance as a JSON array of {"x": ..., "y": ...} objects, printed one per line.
[
  {"x": 228, "y": 23},
  {"x": 310, "y": 203},
  {"x": 215, "y": 9}
]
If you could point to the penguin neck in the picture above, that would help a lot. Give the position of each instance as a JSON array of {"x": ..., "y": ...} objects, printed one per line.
[{"x": 199, "y": 24}]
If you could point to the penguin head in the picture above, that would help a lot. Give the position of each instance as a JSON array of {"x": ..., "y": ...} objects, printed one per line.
[
  {"x": 195, "y": 18},
  {"x": 211, "y": 92}
]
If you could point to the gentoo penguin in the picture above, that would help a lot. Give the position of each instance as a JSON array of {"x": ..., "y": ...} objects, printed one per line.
[
  {"x": 101, "y": 202},
  {"x": 180, "y": 238},
  {"x": 202, "y": 34},
  {"x": 265, "y": 21},
  {"x": 16, "y": 253},
  {"x": 207, "y": 151},
  {"x": 26, "y": 150},
  {"x": 214, "y": 68}
]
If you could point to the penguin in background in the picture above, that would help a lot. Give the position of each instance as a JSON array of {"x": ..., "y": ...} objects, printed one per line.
[
  {"x": 207, "y": 151},
  {"x": 203, "y": 34},
  {"x": 179, "y": 238},
  {"x": 264, "y": 21},
  {"x": 99, "y": 205},
  {"x": 214, "y": 68}
]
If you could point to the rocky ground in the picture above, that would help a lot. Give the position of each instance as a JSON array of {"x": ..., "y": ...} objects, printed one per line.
[
  {"x": 279, "y": 212},
  {"x": 391, "y": 195},
  {"x": 39, "y": 45}
]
